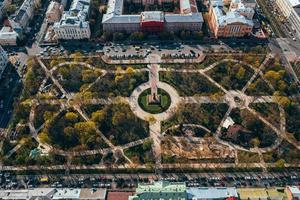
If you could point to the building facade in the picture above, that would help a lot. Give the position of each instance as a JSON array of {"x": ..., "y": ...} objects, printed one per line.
[
  {"x": 26, "y": 12},
  {"x": 3, "y": 61},
  {"x": 160, "y": 190},
  {"x": 152, "y": 21},
  {"x": 74, "y": 23},
  {"x": 293, "y": 193},
  {"x": 54, "y": 12},
  {"x": 237, "y": 22},
  {"x": 8, "y": 36},
  {"x": 291, "y": 10}
]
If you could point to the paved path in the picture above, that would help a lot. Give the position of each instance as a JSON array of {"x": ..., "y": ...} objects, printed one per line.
[
  {"x": 155, "y": 134},
  {"x": 262, "y": 66},
  {"x": 155, "y": 127},
  {"x": 138, "y": 111}
]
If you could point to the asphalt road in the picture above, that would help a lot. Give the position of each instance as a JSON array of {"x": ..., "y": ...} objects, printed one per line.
[
  {"x": 9, "y": 88},
  {"x": 130, "y": 181}
]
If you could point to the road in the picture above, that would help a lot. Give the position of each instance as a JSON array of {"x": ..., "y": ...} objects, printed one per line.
[{"x": 10, "y": 88}]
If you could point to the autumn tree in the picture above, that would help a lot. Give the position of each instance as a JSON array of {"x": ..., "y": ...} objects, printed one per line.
[{"x": 71, "y": 117}]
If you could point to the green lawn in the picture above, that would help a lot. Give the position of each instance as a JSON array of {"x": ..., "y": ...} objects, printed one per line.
[{"x": 155, "y": 108}]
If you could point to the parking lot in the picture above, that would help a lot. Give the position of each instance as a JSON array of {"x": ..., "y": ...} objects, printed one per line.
[
  {"x": 119, "y": 51},
  {"x": 130, "y": 181}
]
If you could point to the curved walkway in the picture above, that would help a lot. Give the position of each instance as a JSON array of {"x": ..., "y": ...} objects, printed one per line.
[{"x": 139, "y": 112}]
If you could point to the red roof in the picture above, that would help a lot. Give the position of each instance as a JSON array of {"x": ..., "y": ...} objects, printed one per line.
[
  {"x": 231, "y": 198},
  {"x": 119, "y": 195}
]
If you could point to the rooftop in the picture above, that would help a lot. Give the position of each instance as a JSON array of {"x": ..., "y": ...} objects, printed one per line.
[
  {"x": 294, "y": 3},
  {"x": 190, "y": 18},
  {"x": 260, "y": 193},
  {"x": 152, "y": 16},
  {"x": 76, "y": 16},
  {"x": 66, "y": 194},
  {"x": 230, "y": 17},
  {"x": 118, "y": 195},
  {"x": 92, "y": 194},
  {"x": 211, "y": 193}
]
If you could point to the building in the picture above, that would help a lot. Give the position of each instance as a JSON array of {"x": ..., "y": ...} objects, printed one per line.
[
  {"x": 3, "y": 61},
  {"x": 249, "y": 3},
  {"x": 293, "y": 192},
  {"x": 119, "y": 195},
  {"x": 3, "y": 6},
  {"x": 291, "y": 10},
  {"x": 25, "y": 13},
  {"x": 8, "y": 36},
  {"x": 237, "y": 22},
  {"x": 92, "y": 194},
  {"x": 74, "y": 23},
  {"x": 10, "y": 33},
  {"x": 54, "y": 12},
  {"x": 160, "y": 190},
  {"x": 261, "y": 194},
  {"x": 14, "y": 29},
  {"x": 66, "y": 194},
  {"x": 43, "y": 193},
  {"x": 212, "y": 193},
  {"x": 53, "y": 194},
  {"x": 152, "y": 21}
]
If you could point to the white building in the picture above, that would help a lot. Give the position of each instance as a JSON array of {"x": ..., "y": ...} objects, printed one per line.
[
  {"x": 53, "y": 194},
  {"x": 74, "y": 23},
  {"x": 54, "y": 12},
  {"x": 203, "y": 193},
  {"x": 291, "y": 10},
  {"x": 8, "y": 36},
  {"x": 3, "y": 61}
]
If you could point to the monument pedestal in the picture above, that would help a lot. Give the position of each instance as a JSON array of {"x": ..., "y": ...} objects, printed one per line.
[{"x": 153, "y": 99}]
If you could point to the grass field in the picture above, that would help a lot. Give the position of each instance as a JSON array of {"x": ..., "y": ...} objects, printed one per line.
[{"x": 165, "y": 102}]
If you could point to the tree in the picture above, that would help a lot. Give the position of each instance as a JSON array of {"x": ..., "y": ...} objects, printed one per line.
[
  {"x": 85, "y": 130},
  {"x": 255, "y": 142},
  {"x": 99, "y": 116},
  {"x": 118, "y": 118},
  {"x": 147, "y": 145},
  {"x": 71, "y": 117},
  {"x": 118, "y": 36},
  {"x": 137, "y": 36},
  {"x": 281, "y": 85},
  {"x": 284, "y": 101},
  {"x": 280, "y": 163},
  {"x": 129, "y": 70},
  {"x": 71, "y": 135},
  {"x": 44, "y": 137},
  {"x": 106, "y": 36},
  {"x": 85, "y": 126},
  {"x": 241, "y": 73},
  {"x": 53, "y": 63},
  {"x": 272, "y": 75},
  {"x": 77, "y": 57},
  {"x": 48, "y": 115},
  {"x": 33, "y": 78},
  {"x": 89, "y": 75},
  {"x": 198, "y": 35},
  {"x": 11, "y": 9},
  {"x": 151, "y": 119}
]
